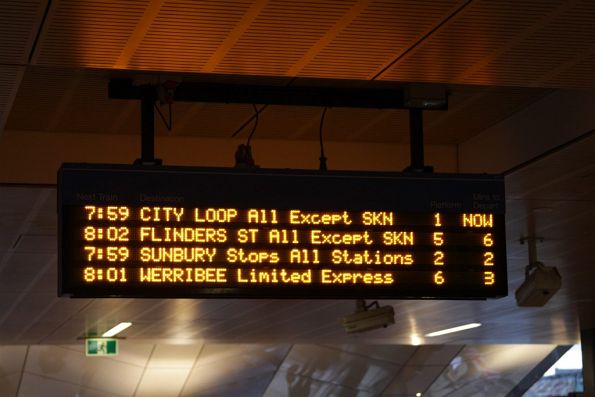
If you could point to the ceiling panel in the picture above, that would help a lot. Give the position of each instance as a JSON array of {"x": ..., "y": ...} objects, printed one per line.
[
  {"x": 297, "y": 27},
  {"x": 21, "y": 268},
  {"x": 487, "y": 370},
  {"x": 213, "y": 120},
  {"x": 412, "y": 380},
  {"x": 337, "y": 367},
  {"x": 433, "y": 355},
  {"x": 39, "y": 93},
  {"x": 162, "y": 382},
  {"x": 289, "y": 384},
  {"x": 251, "y": 387},
  {"x": 473, "y": 109},
  {"x": 373, "y": 35},
  {"x": 396, "y": 354},
  {"x": 88, "y": 33},
  {"x": 507, "y": 43},
  {"x": 35, "y": 385},
  {"x": 83, "y": 106},
  {"x": 575, "y": 74},
  {"x": 19, "y": 23},
  {"x": 12, "y": 359},
  {"x": 10, "y": 79},
  {"x": 101, "y": 374},
  {"x": 478, "y": 31},
  {"x": 555, "y": 44},
  {"x": 188, "y": 35},
  {"x": 222, "y": 369}
]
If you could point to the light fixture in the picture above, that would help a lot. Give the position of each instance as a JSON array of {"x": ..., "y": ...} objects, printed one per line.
[
  {"x": 416, "y": 340},
  {"x": 116, "y": 330},
  {"x": 454, "y": 329},
  {"x": 418, "y": 394}
]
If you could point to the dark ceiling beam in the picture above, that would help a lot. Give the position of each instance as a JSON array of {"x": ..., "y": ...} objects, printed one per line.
[{"x": 284, "y": 95}]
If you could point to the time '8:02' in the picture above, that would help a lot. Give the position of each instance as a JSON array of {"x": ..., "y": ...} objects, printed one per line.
[{"x": 112, "y": 233}]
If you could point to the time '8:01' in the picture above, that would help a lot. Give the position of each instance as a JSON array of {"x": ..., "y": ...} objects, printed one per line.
[
  {"x": 112, "y": 233},
  {"x": 110, "y": 274}
]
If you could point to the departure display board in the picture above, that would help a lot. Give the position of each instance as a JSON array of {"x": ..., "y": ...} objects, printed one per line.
[{"x": 179, "y": 232}]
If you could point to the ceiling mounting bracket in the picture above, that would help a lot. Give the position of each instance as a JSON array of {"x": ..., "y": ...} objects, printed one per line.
[{"x": 415, "y": 98}]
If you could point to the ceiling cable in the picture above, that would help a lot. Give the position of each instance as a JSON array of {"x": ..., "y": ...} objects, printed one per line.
[
  {"x": 262, "y": 109},
  {"x": 254, "y": 125},
  {"x": 243, "y": 155},
  {"x": 168, "y": 124},
  {"x": 322, "y": 157}
]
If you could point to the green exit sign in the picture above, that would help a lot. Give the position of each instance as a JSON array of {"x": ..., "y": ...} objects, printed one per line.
[{"x": 101, "y": 347}]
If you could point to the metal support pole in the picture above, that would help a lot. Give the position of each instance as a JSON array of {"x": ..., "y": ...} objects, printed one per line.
[
  {"x": 416, "y": 133},
  {"x": 532, "y": 243},
  {"x": 147, "y": 110}
]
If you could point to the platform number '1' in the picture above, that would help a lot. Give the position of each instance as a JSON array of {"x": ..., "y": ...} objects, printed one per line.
[{"x": 438, "y": 241}]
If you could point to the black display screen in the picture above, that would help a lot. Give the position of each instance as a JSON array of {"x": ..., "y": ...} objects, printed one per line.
[{"x": 178, "y": 232}]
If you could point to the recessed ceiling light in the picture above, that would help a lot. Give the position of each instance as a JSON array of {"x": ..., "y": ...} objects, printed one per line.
[
  {"x": 416, "y": 340},
  {"x": 116, "y": 330},
  {"x": 417, "y": 394},
  {"x": 454, "y": 329}
]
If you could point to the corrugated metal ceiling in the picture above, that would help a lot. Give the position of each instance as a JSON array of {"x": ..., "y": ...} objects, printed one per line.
[{"x": 529, "y": 46}]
